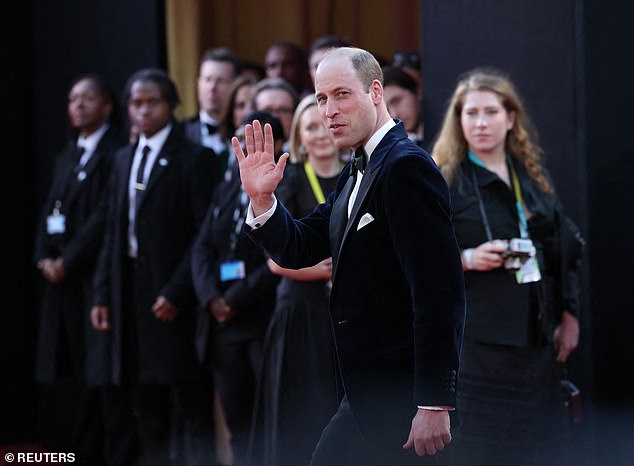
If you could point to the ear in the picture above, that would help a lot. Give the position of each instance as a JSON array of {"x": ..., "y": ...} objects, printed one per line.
[
  {"x": 512, "y": 117},
  {"x": 376, "y": 91}
]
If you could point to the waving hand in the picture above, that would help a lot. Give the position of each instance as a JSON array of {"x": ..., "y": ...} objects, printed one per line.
[{"x": 259, "y": 173}]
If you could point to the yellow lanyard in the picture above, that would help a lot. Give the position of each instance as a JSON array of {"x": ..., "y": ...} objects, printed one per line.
[{"x": 314, "y": 182}]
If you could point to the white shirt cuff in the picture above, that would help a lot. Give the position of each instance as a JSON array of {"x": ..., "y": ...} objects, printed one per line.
[
  {"x": 437, "y": 408},
  {"x": 256, "y": 222}
]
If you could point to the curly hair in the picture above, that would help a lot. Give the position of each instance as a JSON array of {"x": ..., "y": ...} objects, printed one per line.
[{"x": 450, "y": 147}]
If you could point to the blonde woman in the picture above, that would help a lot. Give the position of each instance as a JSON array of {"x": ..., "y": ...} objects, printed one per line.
[
  {"x": 298, "y": 391},
  {"x": 520, "y": 255}
]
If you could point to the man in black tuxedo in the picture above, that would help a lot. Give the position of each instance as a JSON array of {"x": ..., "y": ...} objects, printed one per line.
[
  {"x": 397, "y": 302},
  {"x": 144, "y": 297},
  {"x": 219, "y": 67}
]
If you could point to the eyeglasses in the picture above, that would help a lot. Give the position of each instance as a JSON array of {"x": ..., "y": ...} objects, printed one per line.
[{"x": 279, "y": 111}]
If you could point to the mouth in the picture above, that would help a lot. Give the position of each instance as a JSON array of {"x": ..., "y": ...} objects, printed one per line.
[{"x": 336, "y": 128}]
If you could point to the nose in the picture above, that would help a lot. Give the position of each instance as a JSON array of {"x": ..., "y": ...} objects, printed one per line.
[
  {"x": 331, "y": 108},
  {"x": 481, "y": 120}
]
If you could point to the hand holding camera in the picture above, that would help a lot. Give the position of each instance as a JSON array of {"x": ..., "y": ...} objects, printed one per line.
[
  {"x": 510, "y": 254},
  {"x": 518, "y": 251}
]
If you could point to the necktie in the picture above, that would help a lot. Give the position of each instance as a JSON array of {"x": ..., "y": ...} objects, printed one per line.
[
  {"x": 360, "y": 159},
  {"x": 211, "y": 129},
  {"x": 140, "y": 185},
  {"x": 79, "y": 151}
]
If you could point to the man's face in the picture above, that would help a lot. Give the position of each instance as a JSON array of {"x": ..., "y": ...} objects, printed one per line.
[
  {"x": 214, "y": 86},
  {"x": 347, "y": 106},
  {"x": 148, "y": 109},
  {"x": 278, "y": 103},
  {"x": 280, "y": 62}
]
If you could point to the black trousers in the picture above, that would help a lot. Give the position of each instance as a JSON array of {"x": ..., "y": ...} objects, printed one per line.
[
  {"x": 342, "y": 444},
  {"x": 174, "y": 421}
]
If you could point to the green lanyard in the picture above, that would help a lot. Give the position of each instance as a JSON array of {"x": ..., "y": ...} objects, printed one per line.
[
  {"x": 519, "y": 201},
  {"x": 314, "y": 182}
]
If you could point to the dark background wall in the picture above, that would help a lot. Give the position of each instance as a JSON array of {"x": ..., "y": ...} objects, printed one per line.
[{"x": 571, "y": 60}]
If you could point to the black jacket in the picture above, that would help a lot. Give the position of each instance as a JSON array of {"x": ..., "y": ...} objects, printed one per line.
[{"x": 500, "y": 311}]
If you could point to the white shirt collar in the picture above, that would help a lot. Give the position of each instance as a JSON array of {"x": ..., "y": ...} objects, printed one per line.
[
  {"x": 378, "y": 136},
  {"x": 205, "y": 118},
  {"x": 89, "y": 143},
  {"x": 156, "y": 142}
]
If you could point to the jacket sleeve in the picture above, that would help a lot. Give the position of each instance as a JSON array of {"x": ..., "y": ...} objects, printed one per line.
[{"x": 572, "y": 246}]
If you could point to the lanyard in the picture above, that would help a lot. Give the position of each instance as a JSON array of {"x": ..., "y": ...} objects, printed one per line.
[
  {"x": 522, "y": 224},
  {"x": 314, "y": 183}
]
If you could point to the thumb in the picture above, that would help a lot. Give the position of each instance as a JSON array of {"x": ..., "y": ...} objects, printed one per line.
[
  {"x": 281, "y": 164},
  {"x": 410, "y": 441}
]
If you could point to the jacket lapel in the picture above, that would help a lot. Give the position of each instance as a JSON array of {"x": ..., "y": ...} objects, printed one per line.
[{"x": 339, "y": 218}]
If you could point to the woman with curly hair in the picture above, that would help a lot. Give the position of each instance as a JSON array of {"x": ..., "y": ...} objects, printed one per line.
[{"x": 521, "y": 258}]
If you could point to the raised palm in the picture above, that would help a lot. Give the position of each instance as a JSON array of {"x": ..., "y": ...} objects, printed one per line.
[{"x": 259, "y": 173}]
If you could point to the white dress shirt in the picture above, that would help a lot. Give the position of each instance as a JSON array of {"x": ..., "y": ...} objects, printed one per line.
[{"x": 155, "y": 143}]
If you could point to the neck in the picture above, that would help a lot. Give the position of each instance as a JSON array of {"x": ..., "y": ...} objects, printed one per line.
[
  {"x": 213, "y": 115},
  {"x": 491, "y": 159},
  {"x": 325, "y": 167},
  {"x": 496, "y": 163}
]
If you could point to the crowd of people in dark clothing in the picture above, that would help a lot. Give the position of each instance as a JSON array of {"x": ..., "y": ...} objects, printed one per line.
[{"x": 188, "y": 345}]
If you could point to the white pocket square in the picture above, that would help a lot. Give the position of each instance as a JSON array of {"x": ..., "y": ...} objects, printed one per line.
[{"x": 367, "y": 218}]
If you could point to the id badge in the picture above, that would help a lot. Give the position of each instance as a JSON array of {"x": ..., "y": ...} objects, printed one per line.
[
  {"x": 232, "y": 270},
  {"x": 56, "y": 224},
  {"x": 528, "y": 272}
]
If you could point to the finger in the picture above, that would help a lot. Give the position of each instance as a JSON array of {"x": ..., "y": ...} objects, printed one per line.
[
  {"x": 237, "y": 149},
  {"x": 410, "y": 442},
  {"x": 430, "y": 448},
  {"x": 446, "y": 438},
  {"x": 439, "y": 443},
  {"x": 258, "y": 136},
  {"x": 281, "y": 164},
  {"x": 563, "y": 355},
  {"x": 248, "y": 138},
  {"x": 94, "y": 320},
  {"x": 269, "y": 142}
]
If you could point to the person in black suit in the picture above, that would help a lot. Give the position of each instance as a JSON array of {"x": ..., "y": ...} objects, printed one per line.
[
  {"x": 522, "y": 321},
  {"x": 67, "y": 243},
  {"x": 397, "y": 302},
  {"x": 144, "y": 297},
  {"x": 218, "y": 69},
  {"x": 236, "y": 292}
]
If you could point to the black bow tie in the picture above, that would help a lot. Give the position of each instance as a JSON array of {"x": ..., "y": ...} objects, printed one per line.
[
  {"x": 211, "y": 129},
  {"x": 360, "y": 159}
]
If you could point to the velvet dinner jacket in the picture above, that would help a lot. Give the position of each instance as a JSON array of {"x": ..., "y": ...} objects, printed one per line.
[{"x": 397, "y": 301}]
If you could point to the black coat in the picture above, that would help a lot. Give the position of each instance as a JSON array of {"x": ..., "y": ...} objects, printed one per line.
[
  {"x": 65, "y": 307},
  {"x": 252, "y": 298},
  {"x": 499, "y": 310},
  {"x": 171, "y": 211},
  {"x": 397, "y": 301}
]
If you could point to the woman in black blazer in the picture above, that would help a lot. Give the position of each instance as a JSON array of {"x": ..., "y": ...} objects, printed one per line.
[
  {"x": 67, "y": 241},
  {"x": 521, "y": 255}
]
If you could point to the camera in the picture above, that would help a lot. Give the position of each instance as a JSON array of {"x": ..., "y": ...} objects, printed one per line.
[{"x": 518, "y": 251}]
